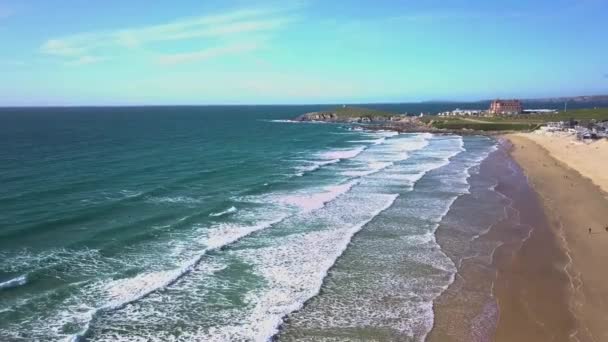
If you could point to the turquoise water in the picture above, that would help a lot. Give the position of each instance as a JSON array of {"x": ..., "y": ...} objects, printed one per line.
[{"x": 217, "y": 223}]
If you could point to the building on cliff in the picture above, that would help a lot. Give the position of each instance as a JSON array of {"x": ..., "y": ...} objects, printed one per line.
[{"x": 505, "y": 107}]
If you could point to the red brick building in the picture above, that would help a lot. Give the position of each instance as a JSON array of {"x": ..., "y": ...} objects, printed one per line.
[{"x": 506, "y": 107}]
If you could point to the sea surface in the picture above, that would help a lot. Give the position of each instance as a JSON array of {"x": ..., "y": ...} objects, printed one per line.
[{"x": 222, "y": 224}]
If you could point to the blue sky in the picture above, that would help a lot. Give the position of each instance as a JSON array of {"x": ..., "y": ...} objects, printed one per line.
[{"x": 112, "y": 52}]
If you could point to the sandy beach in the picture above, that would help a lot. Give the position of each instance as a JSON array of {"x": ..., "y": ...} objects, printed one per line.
[
  {"x": 571, "y": 181},
  {"x": 510, "y": 284},
  {"x": 588, "y": 158}
]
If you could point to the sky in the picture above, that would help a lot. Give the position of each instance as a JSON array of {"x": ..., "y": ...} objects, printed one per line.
[{"x": 115, "y": 52}]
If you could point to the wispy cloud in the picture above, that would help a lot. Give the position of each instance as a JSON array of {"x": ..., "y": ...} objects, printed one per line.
[
  {"x": 219, "y": 31},
  {"x": 169, "y": 59}
]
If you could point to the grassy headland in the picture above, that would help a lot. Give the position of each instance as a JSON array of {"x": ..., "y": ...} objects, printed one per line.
[
  {"x": 349, "y": 114},
  {"x": 356, "y": 112},
  {"x": 522, "y": 122},
  {"x": 458, "y": 124}
]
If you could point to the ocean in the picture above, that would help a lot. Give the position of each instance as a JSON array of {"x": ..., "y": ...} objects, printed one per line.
[{"x": 228, "y": 224}]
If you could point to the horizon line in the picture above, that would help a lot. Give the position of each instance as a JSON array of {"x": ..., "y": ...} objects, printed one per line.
[{"x": 289, "y": 104}]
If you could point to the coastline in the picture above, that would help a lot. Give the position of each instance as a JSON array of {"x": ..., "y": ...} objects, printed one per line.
[
  {"x": 542, "y": 280},
  {"x": 507, "y": 287},
  {"x": 573, "y": 203}
]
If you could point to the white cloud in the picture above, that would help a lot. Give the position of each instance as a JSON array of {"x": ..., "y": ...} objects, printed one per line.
[
  {"x": 212, "y": 30},
  {"x": 214, "y": 52},
  {"x": 63, "y": 48}
]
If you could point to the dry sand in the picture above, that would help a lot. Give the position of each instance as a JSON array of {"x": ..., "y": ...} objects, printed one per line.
[
  {"x": 569, "y": 179},
  {"x": 589, "y": 159}
]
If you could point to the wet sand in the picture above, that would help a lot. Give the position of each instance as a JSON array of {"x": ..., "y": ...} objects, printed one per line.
[
  {"x": 573, "y": 204},
  {"x": 511, "y": 286}
]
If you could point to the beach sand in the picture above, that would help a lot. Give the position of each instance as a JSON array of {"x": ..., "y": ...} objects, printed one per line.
[
  {"x": 589, "y": 159},
  {"x": 568, "y": 178},
  {"x": 511, "y": 285}
]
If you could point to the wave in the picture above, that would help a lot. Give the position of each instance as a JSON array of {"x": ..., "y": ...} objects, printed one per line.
[
  {"x": 19, "y": 281},
  {"x": 176, "y": 200},
  {"x": 342, "y": 153},
  {"x": 225, "y": 212},
  {"x": 373, "y": 168},
  {"x": 466, "y": 174},
  {"x": 125, "y": 291},
  {"x": 369, "y": 141},
  {"x": 315, "y": 166},
  {"x": 308, "y": 202},
  {"x": 130, "y": 193},
  {"x": 396, "y": 146},
  {"x": 307, "y": 277},
  {"x": 284, "y": 121},
  {"x": 292, "y": 286}
]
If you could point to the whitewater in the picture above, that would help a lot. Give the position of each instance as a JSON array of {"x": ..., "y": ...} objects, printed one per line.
[{"x": 243, "y": 241}]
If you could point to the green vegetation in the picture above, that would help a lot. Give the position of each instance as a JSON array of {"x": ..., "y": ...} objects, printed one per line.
[
  {"x": 599, "y": 114},
  {"x": 521, "y": 122},
  {"x": 357, "y": 112},
  {"x": 483, "y": 126}
]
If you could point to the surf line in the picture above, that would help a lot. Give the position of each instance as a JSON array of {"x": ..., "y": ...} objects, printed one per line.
[{"x": 171, "y": 278}]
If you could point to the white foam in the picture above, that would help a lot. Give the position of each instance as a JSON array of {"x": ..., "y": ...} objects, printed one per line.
[
  {"x": 315, "y": 165},
  {"x": 373, "y": 167},
  {"x": 294, "y": 270},
  {"x": 176, "y": 200},
  {"x": 374, "y": 141},
  {"x": 225, "y": 212},
  {"x": 19, "y": 281},
  {"x": 226, "y": 234},
  {"x": 381, "y": 133},
  {"x": 130, "y": 193},
  {"x": 342, "y": 153},
  {"x": 269, "y": 308},
  {"x": 284, "y": 121},
  {"x": 121, "y": 292},
  {"x": 308, "y": 202}
]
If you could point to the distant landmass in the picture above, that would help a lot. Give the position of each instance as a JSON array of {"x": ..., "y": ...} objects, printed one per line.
[
  {"x": 580, "y": 99},
  {"x": 350, "y": 114}
]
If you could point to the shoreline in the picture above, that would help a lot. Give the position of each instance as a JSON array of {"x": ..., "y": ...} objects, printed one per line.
[
  {"x": 573, "y": 203},
  {"x": 548, "y": 284},
  {"x": 506, "y": 279}
]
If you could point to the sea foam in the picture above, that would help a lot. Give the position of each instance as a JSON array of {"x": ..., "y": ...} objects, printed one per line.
[
  {"x": 225, "y": 212},
  {"x": 19, "y": 281},
  {"x": 342, "y": 153},
  {"x": 308, "y": 202},
  {"x": 294, "y": 270}
]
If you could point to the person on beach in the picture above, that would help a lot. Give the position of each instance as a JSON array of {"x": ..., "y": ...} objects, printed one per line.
[{"x": 589, "y": 230}]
